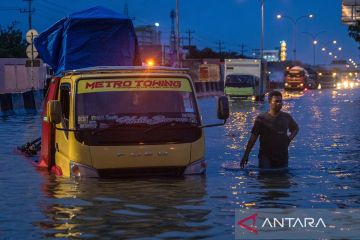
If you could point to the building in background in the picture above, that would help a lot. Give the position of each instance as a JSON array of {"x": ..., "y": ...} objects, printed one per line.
[
  {"x": 151, "y": 50},
  {"x": 272, "y": 55},
  {"x": 350, "y": 11}
]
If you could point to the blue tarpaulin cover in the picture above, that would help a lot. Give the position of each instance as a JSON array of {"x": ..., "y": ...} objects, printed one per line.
[{"x": 93, "y": 37}]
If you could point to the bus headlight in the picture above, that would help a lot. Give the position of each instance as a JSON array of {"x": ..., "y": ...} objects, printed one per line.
[{"x": 80, "y": 170}]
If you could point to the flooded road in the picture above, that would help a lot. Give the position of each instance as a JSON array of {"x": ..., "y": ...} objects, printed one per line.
[{"x": 324, "y": 173}]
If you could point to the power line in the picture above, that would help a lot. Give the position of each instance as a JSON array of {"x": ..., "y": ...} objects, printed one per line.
[
  {"x": 189, "y": 32},
  {"x": 59, "y": 6},
  {"x": 9, "y": 9},
  {"x": 30, "y": 11},
  {"x": 54, "y": 8},
  {"x": 220, "y": 46},
  {"x": 242, "y": 47}
]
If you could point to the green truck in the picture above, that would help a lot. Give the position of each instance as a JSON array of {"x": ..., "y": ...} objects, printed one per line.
[{"x": 243, "y": 79}]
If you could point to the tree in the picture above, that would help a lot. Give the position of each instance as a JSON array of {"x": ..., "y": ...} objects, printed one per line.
[
  {"x": 209, "y": 53},
  {"x": 354, "y": 31},
  {"x": 12, "y": 44}
]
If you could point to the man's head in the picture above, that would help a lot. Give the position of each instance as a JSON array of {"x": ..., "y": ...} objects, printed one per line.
[{"x": 275, "y": 101}]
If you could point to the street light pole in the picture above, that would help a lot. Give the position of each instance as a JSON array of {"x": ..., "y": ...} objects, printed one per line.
[
  {"x": 295, "y": 22},
  {"x": 262, "y": 29},
  {"x": 314, "y": 42},
  {"x": 177, "y": 35},
  {"x": 263, "y": 68}
]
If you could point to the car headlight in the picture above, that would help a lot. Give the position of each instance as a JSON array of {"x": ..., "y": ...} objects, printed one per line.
[
  {"x": 197, "y": 167},
  {"x": 80, "y": 170}
]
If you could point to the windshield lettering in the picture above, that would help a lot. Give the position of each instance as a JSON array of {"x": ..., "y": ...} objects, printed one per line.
[
  {"x": 132, "y": 120},
  {"x": 109, "y": 85}
]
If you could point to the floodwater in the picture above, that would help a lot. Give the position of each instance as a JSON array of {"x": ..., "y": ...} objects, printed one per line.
[{"x": 324, "y": 173}]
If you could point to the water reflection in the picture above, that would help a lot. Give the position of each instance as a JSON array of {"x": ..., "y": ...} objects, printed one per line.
[
  {"x": 125, "y": 208},
  {"x": 274, "y": 189},
  {"x": 324, "y": 173}
]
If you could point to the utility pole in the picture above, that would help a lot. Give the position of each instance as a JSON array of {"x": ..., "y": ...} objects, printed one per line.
[
  {"x": 220, "y": 47},
  {"x": 189, "y": 32},
  {"x": 242, "y": 46},
  {"x": 177, "y": 34},
  {"x": 126, "y": 9},
  {"x": 30, "y": 11}
]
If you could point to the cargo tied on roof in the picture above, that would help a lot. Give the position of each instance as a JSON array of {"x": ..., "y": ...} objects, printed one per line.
[{"x": 93, "y": 37}]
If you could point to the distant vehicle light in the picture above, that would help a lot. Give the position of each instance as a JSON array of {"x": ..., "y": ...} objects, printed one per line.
[
  {"x": 346, "y": 84},
  {"x": 334, "y": 74},
  {"x": 351, "y": 85},
  {"x": 150, "y": 62},
  {"x": 286, "y": 84},
  {"x": 320, "y": 74},
  {"x": 301, "y": 84},
  {"x": 253, "y": 98},
  {"x": 319, "y": 87}
]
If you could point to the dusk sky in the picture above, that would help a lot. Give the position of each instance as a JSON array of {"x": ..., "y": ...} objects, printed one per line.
[{"x": 231, "y": 21}]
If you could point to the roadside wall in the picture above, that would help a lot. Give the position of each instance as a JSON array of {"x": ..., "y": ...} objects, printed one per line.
[{"x": 15, "y": 77}]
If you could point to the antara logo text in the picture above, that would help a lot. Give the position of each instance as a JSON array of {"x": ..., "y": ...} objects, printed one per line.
[
  {"x": 133, "y": 84},
  {"x": 286, "y": 222}
]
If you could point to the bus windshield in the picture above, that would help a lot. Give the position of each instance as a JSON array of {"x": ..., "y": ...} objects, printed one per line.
[
  {"x": 296, "y": 74},
  {"x": 240, "y": 81}
]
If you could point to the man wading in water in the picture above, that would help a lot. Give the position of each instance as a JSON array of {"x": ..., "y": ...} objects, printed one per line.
[{"x": 272, "y": 127}]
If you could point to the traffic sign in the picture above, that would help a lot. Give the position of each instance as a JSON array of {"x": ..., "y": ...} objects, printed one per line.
[
  {"x": 30, "y": 35},
  {"x": 31, "y": 52}
]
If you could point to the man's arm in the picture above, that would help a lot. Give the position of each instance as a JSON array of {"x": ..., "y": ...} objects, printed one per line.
[
  {"x": 293, "y": 134},
  {"x": 294, "y": 129},
  {"x": 249, "y": 146}
]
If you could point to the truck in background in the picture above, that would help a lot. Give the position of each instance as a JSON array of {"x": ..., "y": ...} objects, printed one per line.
[
  {"x": 242, "y": 78},
  {"x": 296, "y": 78},
  {"x": 327, "y": 79}
]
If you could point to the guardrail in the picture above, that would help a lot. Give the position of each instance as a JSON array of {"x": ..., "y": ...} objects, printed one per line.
[{"x": 18, "y": 103}]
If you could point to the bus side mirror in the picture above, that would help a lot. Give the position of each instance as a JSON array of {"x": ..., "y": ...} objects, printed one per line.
[
  {"x": 223, "y": 108},
  {"x": 54, "y": 111}
]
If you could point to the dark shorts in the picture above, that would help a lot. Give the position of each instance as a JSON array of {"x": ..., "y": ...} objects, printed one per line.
[{"x": 266, "y": 162}]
